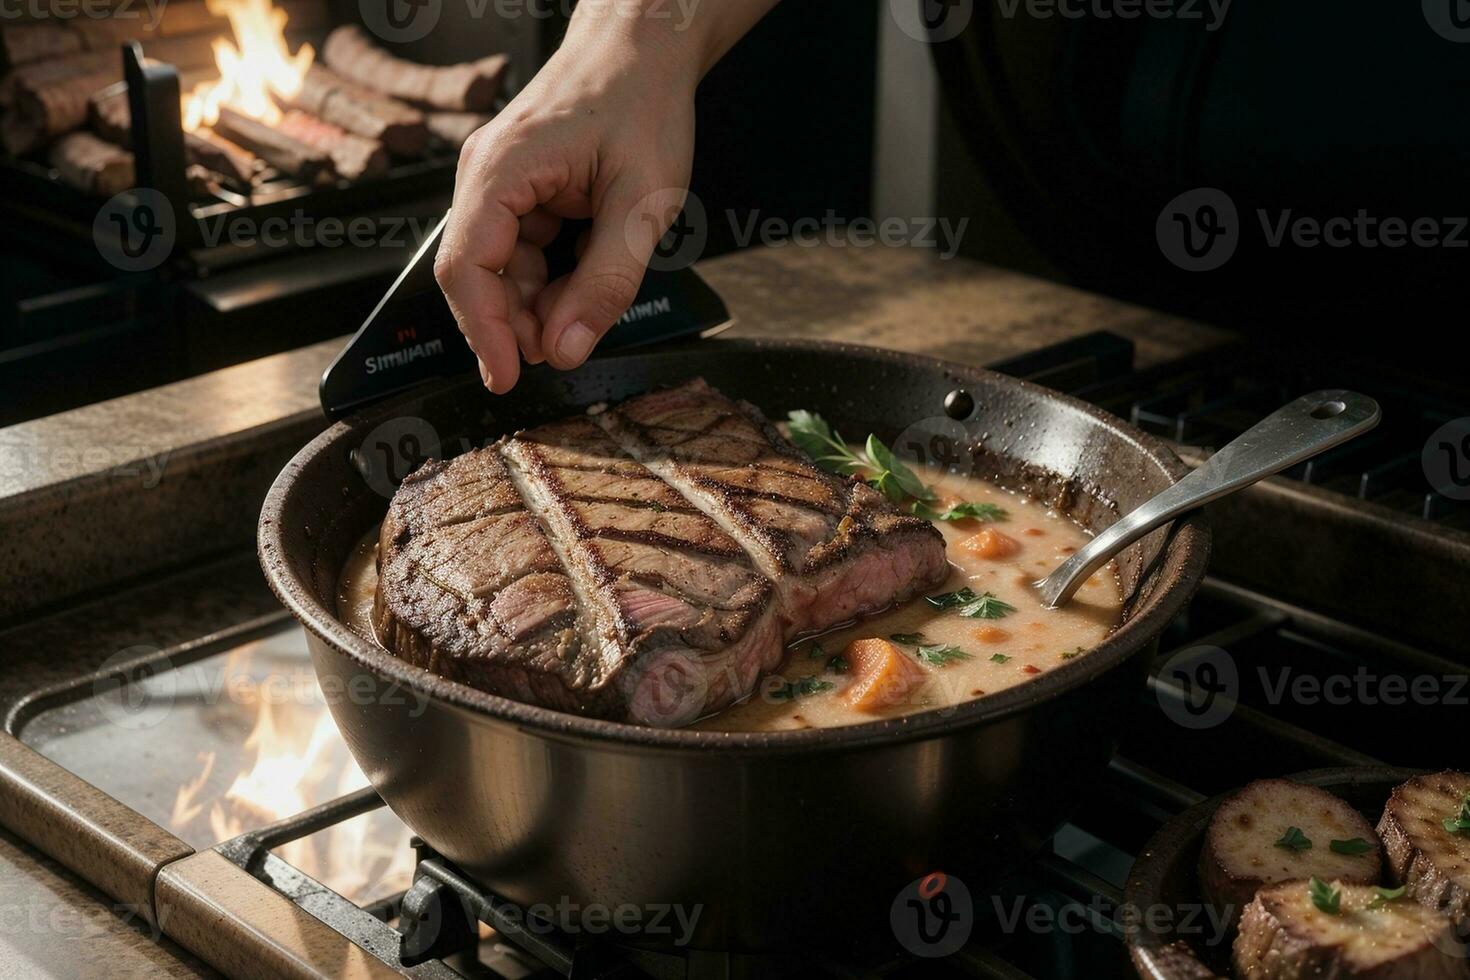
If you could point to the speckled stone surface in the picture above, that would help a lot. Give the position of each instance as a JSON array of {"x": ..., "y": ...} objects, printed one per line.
[{"x": 131, "y": 522}]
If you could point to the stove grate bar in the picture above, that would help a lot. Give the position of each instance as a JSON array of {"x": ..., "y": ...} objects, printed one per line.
[{"x": 979, "y": 961}]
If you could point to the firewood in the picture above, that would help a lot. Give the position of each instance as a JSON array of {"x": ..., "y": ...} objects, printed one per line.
[
  {"x": 287, "y": 154},
  {"x": 93, "y": 165},
  {"x": 470, "y": 86},
  {"x": 354, "y": 156},
  {"x": 21, "y": 44},
  {"x": 397, "y": 125},
  {"x": 39, "y": 74},
  {"x": 46, "y": 110},
  {"x": 112, "y": 119},
  {"x": 455, "y": 128}
]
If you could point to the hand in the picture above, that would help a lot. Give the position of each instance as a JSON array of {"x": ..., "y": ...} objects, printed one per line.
[{"x": 594, "y": 135}]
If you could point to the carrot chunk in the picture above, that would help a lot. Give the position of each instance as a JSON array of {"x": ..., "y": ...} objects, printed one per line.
[
  {"x": 992, "y": 544},
  {"x": 992, "y": 634},
  {"x": 882, "y": 676}
]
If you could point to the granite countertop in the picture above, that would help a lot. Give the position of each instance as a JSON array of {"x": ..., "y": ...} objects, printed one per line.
[{"x": 239, "y": 424}]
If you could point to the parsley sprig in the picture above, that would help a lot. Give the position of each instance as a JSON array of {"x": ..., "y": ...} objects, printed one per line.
[
  {"x": 875, "y": 462},
  {"x": 961, "y": 512},
  {"x": 1294, "y": 840},
  {"x": 1325, "y": 896},
  {"x": 972, "y": 606},
  {"x": 804, "y": 687},
  {"x": 1352, "y": 846},
  {"x": 941, "y": 655},
  {"x": 1460, "y": 823},
  {"x": 1386, "y": 895}
]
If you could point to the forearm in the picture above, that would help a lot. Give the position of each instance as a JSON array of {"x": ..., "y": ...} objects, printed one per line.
[{"x": 685, "y": 37}]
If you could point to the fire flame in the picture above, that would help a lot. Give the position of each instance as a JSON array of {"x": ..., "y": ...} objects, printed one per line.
[
  {"x": 295, "y": 760},
  {"x": 254, "y": 70}
]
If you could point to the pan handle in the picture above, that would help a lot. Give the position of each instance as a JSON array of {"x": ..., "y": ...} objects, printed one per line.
[{"x": 1310, "y": 425}]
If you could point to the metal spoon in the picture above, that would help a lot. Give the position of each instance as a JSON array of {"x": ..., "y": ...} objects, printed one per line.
[{"x": 1310, "y": 425}]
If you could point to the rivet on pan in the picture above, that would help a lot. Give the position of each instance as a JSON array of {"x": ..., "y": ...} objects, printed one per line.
[{"x": 958, "y": 404}]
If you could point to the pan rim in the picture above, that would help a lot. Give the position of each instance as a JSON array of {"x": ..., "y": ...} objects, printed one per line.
[{"x": 1187, "y": 550}]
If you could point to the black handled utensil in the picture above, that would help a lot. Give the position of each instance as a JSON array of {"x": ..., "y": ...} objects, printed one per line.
[{"x": 411, "y": 337}]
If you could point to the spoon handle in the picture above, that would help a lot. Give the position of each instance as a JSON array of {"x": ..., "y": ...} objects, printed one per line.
[{"x": 1310, "y": 425}]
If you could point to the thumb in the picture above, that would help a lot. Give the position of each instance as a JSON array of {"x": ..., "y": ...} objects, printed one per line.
[{"x": 625, "y": 231}]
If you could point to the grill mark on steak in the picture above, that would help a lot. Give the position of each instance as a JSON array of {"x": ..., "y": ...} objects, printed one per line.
[
  {"x": 799, "y": 523},
  {"x": 556, "y": 567}
]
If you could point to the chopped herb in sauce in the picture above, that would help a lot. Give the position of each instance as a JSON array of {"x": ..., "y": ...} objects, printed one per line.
[
  {"x": 962, "y": 512},
  {"x": 1325, "y": 897},
  {"x": 972, "y": 606},
  {"x": 792, "y": 690},
  {"x": 837, "y": 664},
  {"x": 1460, "y": 823},
  {"x": 815, "y": 652},
  {"x": 941, "y": 655},
  {"x": 1386, "y": 895},
  {"x": 912, "y": 639},
  {"x": 1000, "y": 658},
  {"x": 1355, "y": 845},
  {"x": 1294, "y": 840},
  {"x": 1072, "y": 654},
  {"x": 883, "y": 471}
]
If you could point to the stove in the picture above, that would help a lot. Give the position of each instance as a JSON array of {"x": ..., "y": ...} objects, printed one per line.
[{"x": 201, "y": 784}]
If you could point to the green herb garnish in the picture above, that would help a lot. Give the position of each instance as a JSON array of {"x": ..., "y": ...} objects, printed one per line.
[
  {"x": 804, "y": 687},
  {"x": 1386, "y": 895},
  {"x": 1325, "y": 897},
  {"x": 960, "y": 512},
  {"x": 876, "y": 462},
  {"x": 1355, "y": 845},
  {"x": 1070, "y": 654},
  {"x": 1000, "y": 658},
  {"x": 972, "y": 606},
  {"x": 1460, "y": 824},
  {"x": 837, "y": 664},
  {"x": 941, "y": 655},
  {"x": 815, "y": 652},
  {"x": 912, "y": 639},
  {"x": 1294, "y": 840}
]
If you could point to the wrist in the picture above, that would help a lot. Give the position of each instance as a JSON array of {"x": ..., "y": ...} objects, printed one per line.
[{"x": 648, "y": 37}]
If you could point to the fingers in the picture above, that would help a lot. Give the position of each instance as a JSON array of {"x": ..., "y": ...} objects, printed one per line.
[
  {"x": 625, "y": 230},
  {"x": 478, "y": 242},
  {"x": 525, "y": 277}
]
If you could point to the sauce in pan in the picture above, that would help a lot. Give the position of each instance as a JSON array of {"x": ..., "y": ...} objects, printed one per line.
[{"x": 982, "y": 631}]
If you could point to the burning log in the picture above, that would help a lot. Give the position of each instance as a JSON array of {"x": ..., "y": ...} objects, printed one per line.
[
  {"x": 40, "y": 74},
  {"x": 286, "y": 153},
  {"x": 93, "y": 165},
  {"x": 455, "y": 128},
  {"x": 112, "y": 119},
  {"x": 398, "y": 126},
  {"x": 354, "y": 156},
  {"x": 22, "y": 44},
  {"x": 468, "y": 87},
  {"x": 42, "y": 110}
]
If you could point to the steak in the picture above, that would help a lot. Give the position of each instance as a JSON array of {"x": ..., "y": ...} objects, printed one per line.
[{"x": 646, "y": 563}]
